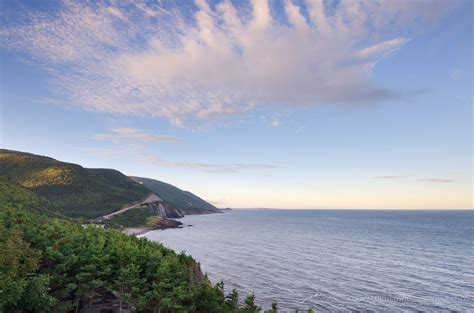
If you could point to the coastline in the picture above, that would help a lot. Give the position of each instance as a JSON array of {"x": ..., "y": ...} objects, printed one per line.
[{"x": 160, "y": 224}]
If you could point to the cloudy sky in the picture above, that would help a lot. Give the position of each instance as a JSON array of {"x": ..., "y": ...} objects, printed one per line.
[{"x": 279, "y": 103}]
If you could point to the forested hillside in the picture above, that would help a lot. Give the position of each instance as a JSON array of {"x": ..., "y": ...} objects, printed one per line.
[
  {"x": 12, "y": 194},
  {"x": 81, "y": 192},
  {"x": 185, "y": 201}
]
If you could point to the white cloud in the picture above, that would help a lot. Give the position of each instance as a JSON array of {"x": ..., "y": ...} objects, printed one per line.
[
  {"x": 140, "y": 152},
  {"x": 387, "y": 177},
  {"x": 381, "y": 49},
  {"x": 148, "y": 59},
  {"x": 276, "y": 122},
  {"x": 437, "y": 180},
  {"x": 208, "y": 167},
  {"x": 119, "y": 134}
]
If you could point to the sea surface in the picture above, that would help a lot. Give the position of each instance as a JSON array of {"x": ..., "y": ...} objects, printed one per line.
[{"x": 333, "y": 260}]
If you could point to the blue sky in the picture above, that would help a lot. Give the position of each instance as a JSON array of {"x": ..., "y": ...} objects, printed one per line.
[{"x": 285, "y": 104}]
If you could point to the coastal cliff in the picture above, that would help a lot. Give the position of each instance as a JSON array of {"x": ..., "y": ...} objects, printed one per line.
[{"x": 163, "y": 209}]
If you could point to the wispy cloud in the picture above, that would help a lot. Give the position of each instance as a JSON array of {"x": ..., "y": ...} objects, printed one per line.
[
  {"x": 387, "y": 177},
  {"x": 120, "y": 134},
  {"x": 208, "y": 167},
  {"x": 382, "y": 49},
  {"x": 431, "y": 180},
  {"x": 276, "y": 122},
  {"x": 141, "y": 153},
  {"x": 202, "y": 61},
  {"x": 436, "y": 180}
]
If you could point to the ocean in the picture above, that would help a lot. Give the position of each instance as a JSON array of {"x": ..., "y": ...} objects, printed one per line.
[{"x": 336, "y": 260}]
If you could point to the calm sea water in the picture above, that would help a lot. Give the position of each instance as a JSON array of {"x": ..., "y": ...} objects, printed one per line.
[{"x": 337, "y": 260}]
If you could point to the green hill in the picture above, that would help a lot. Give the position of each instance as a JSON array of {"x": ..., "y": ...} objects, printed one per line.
[
  {"x": 185, "y": 201},
  {"x": 13, "y": 195},
  {"x": 79, "y": 191}
]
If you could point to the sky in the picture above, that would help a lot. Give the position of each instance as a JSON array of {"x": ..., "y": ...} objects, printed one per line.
[{"x": 272, "y": 104}]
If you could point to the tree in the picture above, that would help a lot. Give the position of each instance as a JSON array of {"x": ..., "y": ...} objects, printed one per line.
[
  {"x": 232, "y": 301},
  {"x": 249, "y": 305},
  {"x": 274, "y": 308}
]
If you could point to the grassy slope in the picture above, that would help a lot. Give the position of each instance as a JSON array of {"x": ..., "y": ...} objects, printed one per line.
[
  {"x": 81, "y": 192},
  {"x": 187, "y": 202}
]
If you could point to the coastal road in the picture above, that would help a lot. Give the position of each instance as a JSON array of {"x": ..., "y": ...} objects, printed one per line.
[{"x": 150, "y": 198}]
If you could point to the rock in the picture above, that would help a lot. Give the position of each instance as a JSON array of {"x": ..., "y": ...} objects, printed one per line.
[
  {"x": 164, "y": 223},
  {"x": 164, "y": 209}
]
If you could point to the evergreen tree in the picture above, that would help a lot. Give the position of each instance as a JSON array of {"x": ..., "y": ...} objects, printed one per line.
[{"x": 249, "y": 305}]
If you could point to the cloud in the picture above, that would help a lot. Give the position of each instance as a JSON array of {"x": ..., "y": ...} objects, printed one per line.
[
  {"x": 140, "y": 152},
  {"x": 208, "y": 167},
  {"x": 118, "y": 134},
  {"x": 382, "y": 49},
  {"x": 275, "y": 122},
  {"x": 202, "y": 60},
  {"x": 431, "y": 180},
  {"x": 436, "y": 180}
]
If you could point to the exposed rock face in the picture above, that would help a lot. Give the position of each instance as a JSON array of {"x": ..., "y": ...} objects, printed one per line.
[
  {"x": 185, "y": 201},
  {"x": 163, "y": 209}
]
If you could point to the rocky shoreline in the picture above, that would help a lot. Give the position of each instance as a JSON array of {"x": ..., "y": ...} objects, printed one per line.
[{"x": 160, "y": 224}]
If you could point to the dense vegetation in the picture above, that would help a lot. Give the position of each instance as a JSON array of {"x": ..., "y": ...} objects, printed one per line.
[
  {"x": 134, "y": 218},
  {"x": 187, "y": 202},
  {"x": 50, "y": 264},
  {"x": 12, "y": 194},
  {"x": 81, "y": 192}
]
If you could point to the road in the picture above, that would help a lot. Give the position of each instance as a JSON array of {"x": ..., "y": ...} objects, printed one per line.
[{"x": 150, "y": 198}]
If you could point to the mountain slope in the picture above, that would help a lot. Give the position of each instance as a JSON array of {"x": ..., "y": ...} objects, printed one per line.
[
  {"x": 185, "y": 201},
  {"x": 81, "y": 192},
  {"x": 13, "y": 195}
]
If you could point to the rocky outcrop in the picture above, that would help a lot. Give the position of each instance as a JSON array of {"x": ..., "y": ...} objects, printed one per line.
[
  {"x": 164, "y": 223},
  {"x": 159, "y": 224},
  {"x": 163, "y": 209},
  {"x": 185, "y": 201}
]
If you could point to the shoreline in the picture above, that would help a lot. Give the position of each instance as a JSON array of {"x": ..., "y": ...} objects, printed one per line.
[{"x": 160, "y": 224}]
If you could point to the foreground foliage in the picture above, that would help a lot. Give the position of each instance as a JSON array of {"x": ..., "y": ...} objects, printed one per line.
[{"x": 50, "y": 264}]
